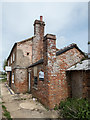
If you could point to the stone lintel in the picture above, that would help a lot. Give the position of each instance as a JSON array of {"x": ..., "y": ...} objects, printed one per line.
[{"x": 50, "y": 36}]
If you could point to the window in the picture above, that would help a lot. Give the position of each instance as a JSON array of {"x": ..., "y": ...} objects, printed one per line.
[
  {"x": 13, "y": 78},
  {"x": 7, "y": 76},
  {"x": 28, "y": 53},
  {"x": 13, "y": 57},
  {"x": 41, "y": 75},
  {"x": 35, "y": 76},
  {"x": 35, "y": 80}
]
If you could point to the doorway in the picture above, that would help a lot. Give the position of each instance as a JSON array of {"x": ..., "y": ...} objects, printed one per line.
[
  {"x": 10, "y": 75},
  {"x": 29, "y": 81}
]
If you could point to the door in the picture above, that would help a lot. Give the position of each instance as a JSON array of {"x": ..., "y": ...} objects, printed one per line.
[
  {"x": 77, "y": 87},
  {"x": 10, "y": 75},
  {"x": 29, "y": 81}
]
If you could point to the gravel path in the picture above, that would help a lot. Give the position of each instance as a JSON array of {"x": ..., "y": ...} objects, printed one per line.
[{"x": 24, "y": 106}]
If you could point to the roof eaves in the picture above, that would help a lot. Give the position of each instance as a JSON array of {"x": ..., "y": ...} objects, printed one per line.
[
  {"x": 36, "y": 63},
  {"x": 12, "y": 50},
  {"x": 26, "y": 40}
]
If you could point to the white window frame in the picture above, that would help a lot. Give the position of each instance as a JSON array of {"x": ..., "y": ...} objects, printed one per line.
[{"x": 13, "y": 78}]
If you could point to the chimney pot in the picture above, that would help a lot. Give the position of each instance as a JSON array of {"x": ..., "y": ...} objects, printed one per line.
[{"x": 41, "y": 18}]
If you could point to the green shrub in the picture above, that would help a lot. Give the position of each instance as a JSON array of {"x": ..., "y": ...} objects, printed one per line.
[
  {"x": 4, "y": 108},
  {"x": 4, "y": 79},
  {"x": 6, "y": 113},
  {"x": 75, "y": 108},
  {"x": 56, "y": 107}
]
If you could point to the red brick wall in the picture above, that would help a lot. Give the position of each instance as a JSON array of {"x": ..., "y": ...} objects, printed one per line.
[
  {"x": 20, "y": 84},
  {"x": 19, "y": 66},
  {"x": 64, "y": 61},
  {"x": 49, "y": 67},
  {"x": 55, "y": 87},
  {"x": 41, "y": 91}
]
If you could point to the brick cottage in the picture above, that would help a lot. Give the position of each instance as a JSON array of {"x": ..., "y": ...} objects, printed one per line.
[{"x": 39, "y": 67}]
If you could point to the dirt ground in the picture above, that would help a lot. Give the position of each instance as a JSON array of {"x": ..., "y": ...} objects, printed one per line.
[{"x": 24, "y": 106}]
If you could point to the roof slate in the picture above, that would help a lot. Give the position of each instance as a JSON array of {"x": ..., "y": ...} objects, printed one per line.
[
  {"x": 71, "y": 46},
  {"x": 38, "y": 62}
]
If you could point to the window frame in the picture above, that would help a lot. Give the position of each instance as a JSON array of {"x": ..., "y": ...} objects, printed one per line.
[
  {"x": 11, "y": 59},
  {"x": 13, "y": 78}
]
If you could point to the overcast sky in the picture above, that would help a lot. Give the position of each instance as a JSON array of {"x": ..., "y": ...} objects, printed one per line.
[{"x": 68, "y": 21}]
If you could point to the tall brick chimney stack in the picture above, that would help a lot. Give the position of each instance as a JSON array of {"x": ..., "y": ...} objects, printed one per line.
[
  {"x": 38, "y": 40},
  {"x": 49, "y": 54}
]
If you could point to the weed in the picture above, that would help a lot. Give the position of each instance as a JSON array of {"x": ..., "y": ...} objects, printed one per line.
[
  {"x": 6, "y": 113},
  {"x": 56, "y": 107},
  {"x": 4, "y": 79},
  {"x": 4, "y": 108},
  {"x": 75, "y": 108},
  {"x": 23, "y": 99}
]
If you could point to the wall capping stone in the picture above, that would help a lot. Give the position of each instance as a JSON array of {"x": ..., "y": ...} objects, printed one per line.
[{"x": 50, "y": 36}]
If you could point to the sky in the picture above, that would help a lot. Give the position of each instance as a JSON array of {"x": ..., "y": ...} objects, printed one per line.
[{"x": 67, "y": 20}]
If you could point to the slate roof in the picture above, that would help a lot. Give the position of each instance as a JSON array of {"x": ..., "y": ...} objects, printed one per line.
[
  {"x": 60, "y": 51},
  {"x": 71, "y": 46},
  {"x": 83, "y": 65},
  {"x": 36, "y": 63}
]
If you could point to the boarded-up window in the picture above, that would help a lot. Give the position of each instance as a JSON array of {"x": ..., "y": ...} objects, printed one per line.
[
  {"x": 35, "y": 75},
  {"x": 35, "y": 71}
]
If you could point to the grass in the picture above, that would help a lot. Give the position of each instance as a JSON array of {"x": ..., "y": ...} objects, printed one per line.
[
  {"x": 4, "y": 80},
  {"x": 2, "y": 76},
  {"x": 75, "y": 108},
  {"x": 4, "y": 108},
  {"x": 6, "y": 113}
]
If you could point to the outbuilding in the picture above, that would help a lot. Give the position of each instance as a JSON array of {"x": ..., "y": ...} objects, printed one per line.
[{"x": 78, "y": 77}]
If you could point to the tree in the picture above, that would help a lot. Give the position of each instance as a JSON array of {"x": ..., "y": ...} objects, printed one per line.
[
  {"x": 4, "y": 64},
  {"x": 88, "y": 42}
]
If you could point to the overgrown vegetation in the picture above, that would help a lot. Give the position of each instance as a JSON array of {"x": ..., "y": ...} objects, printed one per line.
[
  {"x": 4, "y": 79},
  {"x": 3, "y": 76},
  {"x": 75, "y": 108},
  {"x": 88, "y": 42},
  {"x": 6, "y": 113}
]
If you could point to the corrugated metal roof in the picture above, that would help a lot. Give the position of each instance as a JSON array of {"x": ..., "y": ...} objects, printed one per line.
[{"x": 83, "y": 65}]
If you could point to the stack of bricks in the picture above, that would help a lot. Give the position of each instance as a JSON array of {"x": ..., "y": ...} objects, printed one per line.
[{"x": 49, "y": 65}]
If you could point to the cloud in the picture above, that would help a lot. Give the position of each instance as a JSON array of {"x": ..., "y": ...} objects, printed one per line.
[{"x": 66, "y": 20}]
